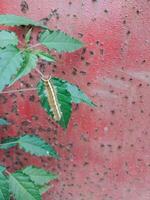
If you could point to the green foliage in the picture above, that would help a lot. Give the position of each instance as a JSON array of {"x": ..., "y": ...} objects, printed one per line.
[
  {"x": 29, "y": 63},
  {"x": 28, "y": 36},
  {"x": 9, "y": 143},
  {"x": 39, "y": 176},
  {"x": 2, "y": 168},
  {"x": 44, "y": 188},
  {"x": 63, "y": 97},
  {"x": 59, "y": 41},
  {"x": 77, "y": 95},
  {"x": 14, "y": 20},
  {"x": 67, "y": 93},
  {"x": 45, "y": 56},
  {"x": 36, "y": 146},
  {"x": 10, "y": 60},
  {"x": 4, "y": 188},
  {"x": 22, "y": 187},
  {"x": 8, "y": 38},
  {"x": 32, "y": 144},
  {"x": 3, "y": 122},
  {"x": 31, "y": 182}
]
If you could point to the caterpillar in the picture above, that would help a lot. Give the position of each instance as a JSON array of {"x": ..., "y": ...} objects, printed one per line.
[{"x": 52, "y": 99}]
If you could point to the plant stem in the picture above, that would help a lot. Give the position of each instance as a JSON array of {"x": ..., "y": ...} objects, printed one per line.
[
  {"x": 9, "y": 143},
  {"x": 7, "y": 172},
  {"x": 19, "y": 90},
  {"x": 31, "y": 47},
  {"x": 20, "y": 42},
  {"x": 35, "y": 45},
  {"x": 39, "y": 72}
]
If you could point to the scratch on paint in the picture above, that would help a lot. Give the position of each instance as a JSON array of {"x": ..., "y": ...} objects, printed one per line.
[
  {"x": 115, "y": 83},
  {"x": 104, "y": 93},
  {"x": 140, "y": 75}
]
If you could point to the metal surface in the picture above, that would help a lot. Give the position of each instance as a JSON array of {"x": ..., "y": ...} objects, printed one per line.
[{"x": 105, "y": 152}]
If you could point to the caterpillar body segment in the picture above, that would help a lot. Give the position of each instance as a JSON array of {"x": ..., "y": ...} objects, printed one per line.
[{"x": 52, "y": 99}]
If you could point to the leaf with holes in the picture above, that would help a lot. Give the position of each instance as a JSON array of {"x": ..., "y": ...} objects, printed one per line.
[
  {"x": 45, "y": 56},
  {"x": 3, "y": 122},
  {"x": 59, "y": 41},
  {"x": 63, "y": 100},
  {"x": 4, "y": 187},
  {"x": 32, "y": 144},
  {"x": 29, "y": 63},
  {"x": 22, "y": 187},
  {"x": 10, "y": 61},
  {"x": 39, "y": 176},
  {"x": 8, "y": 38},
  {"x": 14, "y": 20}
]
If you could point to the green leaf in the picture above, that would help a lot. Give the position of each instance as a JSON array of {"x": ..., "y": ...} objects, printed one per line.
[
  {"x": 39, "y": 176},
  {"x": 28, "y": 36},
  {"x": 45, "y": 56},
  {"x": 9, "y": 143},
  {"x": 63, "y": 100},
  {"x": 77, "y": 95},
  {"x": 14, "y": 20},
  {"x": 8, "y": 38},
  {"x": 10, "y": 61},
  {"x": 59, "y": 41},
  {"x": 22, "y": 187},
  {"x": 2, "y": 168},
  {"x": 44, "y": 188},
  {"x": 29, "y": 63},
  {"x": 3, "y": 122},
  {"x": 36, "y": 146},
  {"x": 4, "y": 187},
  {"x": 32, "y": 144}
]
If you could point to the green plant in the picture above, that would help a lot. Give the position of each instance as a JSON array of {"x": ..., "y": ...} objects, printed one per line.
[{"x": 56, "y": 97}]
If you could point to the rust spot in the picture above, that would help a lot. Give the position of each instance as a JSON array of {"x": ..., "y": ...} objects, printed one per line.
[
  {"x": 24, "y": 6},
  {"x": 106, "y": 11}
]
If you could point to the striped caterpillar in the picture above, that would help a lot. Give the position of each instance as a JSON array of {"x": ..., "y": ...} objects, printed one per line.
[{"x": 52, "y": 99}]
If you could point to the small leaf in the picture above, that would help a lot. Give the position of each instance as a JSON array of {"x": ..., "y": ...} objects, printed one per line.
[
  {"x": 8, "y": 143},
  {"x": 4, "y": 187},
  {"x": 32, "y": 144},
  {"x": 3, "y": 122},
  {"x": 28, "y": 36},
  {"x": 59, "y": 41},
  {"x": 8, "y": 38},
  {"x": 22, "y": 187},
  {"x": 10, "y": 61},
  {"x": 36, "y": 146},
  {"x": 39, "y": 176},
  {"x": 14, "y": 20},
  {"x": 2, "y": 168},
  {"x": 45, "y": 56},
  {"x": 29, "y": 63},
  {"x": 77, "y": 95},
  {"x": 63, "y": 98}
]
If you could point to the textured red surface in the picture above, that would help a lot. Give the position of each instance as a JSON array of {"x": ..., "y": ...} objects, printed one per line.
[{"x": 105, "y": 151}]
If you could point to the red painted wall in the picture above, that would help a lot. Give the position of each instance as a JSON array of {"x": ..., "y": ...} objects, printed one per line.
[{"x": 105, "y": 152}]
